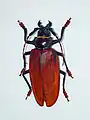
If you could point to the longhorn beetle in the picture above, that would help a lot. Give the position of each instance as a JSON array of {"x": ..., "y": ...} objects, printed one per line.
[{"x": 44, "y": 69}]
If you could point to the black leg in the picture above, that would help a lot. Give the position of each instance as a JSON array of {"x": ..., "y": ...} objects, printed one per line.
[
  {"x": 24, "y": 28},
  {"x": 24, "y": 58},
  {"x": 30, "y": 34},
  {"x": 64, "y": 91},
  {"x": 60, "y": 54},
  {"x": 54, "y": 42},
  {"x": 24, "y": 71},
  {"x": 68, "y": 71},
  {"x": 25, "y": 34},
  {"x": 30, "y": 89},
  {"x": 62, "y": 34},
  {"x": 23, "y": 74}
]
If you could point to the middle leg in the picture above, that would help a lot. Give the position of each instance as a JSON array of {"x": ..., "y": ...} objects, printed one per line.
[{"x": 68, "y": 71}]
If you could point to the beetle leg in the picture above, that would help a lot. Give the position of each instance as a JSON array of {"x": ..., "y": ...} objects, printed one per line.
[
  {"x": 60, "y": 54},
  {"x": 24, "y": 58},
  {"x": 24, "y": 71},
  {"x": 30, "y": 34},
  {"x": 64, "y": 91},
  {"x": 62, "y": 33},
  {"x": 50, "y": 42},
  {"x": 26, "y": 37},
  {"x": 54, "y": 42},
  {"x": 68, "y": 71},
  {"x": 59, "y": 39},
  {"x": 25, "y": 33},
  {"x": 30, "y": 89},
  {"x": 24, "y": 28}
]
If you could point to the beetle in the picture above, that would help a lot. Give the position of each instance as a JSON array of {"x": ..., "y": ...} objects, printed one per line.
[{"x": 44, "y": 66}]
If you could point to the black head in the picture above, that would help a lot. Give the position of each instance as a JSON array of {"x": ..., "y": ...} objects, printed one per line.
[
  {"x": 44, "y": 30},
  {"x": 43, "y": 35},
  {"x": 44, "y": 39}
]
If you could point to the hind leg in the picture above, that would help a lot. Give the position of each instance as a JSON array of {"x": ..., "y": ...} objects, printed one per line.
[
  {"x": 64, "y": 91},
  {"x": 24, "y": 72},
  {"x": 30, "y": 89}
]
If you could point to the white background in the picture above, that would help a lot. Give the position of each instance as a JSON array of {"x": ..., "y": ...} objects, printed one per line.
[{"x": 77, "y": 46}]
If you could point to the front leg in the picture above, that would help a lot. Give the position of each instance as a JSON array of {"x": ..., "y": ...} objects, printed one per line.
[
  {"x": 63, "y": 29},
  {"x": 25, "y": 33},
  {"x": 24, "y": 28}
]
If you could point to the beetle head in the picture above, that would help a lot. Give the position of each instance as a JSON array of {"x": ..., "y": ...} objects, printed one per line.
[
  {"x": 44, "y": 35},
  {"x": 44, "y": 30}
]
